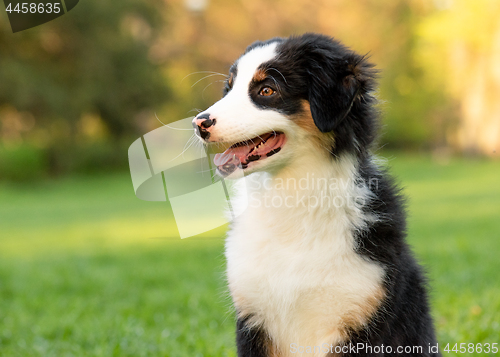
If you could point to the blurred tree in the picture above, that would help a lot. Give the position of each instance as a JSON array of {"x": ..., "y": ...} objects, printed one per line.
[
  {"x": 94, "y": 61},
  {"x": 459, "y": 51}
]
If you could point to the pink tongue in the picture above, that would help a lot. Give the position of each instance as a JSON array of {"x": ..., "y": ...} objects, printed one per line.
[
  {"x": 229, "y": 156},
  {"x": 222, "y": 159},
  {"x": 238, "y": 155}
]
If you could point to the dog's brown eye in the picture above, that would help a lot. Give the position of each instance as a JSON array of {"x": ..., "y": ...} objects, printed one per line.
[{"x": 266, "y": 92}]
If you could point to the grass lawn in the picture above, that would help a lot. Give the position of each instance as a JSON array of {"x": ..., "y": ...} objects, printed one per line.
[{"x": 87, "y": 269}]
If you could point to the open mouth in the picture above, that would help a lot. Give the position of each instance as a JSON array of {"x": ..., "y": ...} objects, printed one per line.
[{"x": 243, "y": 153}]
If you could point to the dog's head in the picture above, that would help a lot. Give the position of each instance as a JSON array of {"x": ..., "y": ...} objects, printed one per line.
[{"x": 283, "y": 93}]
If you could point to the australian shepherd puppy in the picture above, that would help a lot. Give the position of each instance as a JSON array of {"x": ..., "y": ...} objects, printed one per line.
[{"x": 317, "y": 264}]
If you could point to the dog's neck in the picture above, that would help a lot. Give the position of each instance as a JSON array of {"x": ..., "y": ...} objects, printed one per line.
[
  {"x": 311, "y": 173},
  {"x": 314, "y": 186}
]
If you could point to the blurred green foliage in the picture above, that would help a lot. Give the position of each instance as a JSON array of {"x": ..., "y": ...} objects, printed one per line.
[
  {"x": 93, "y": 63},
  {"x": 22, "y": 163}
]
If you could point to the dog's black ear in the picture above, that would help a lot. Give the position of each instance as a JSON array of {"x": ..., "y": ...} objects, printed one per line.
[{"x": 335, "y": 84}]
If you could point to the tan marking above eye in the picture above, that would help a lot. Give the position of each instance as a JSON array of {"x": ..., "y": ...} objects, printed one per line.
[
  {"x": 266, "y": 92},
  {"x": 230, "y": 80},
  {"x": 259, "y": 75}
]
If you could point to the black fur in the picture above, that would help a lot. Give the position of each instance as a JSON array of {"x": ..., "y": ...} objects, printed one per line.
[
  {"x": 251, "y": 342},
  {"x": 404, "y": 318},
  {"x": 338, "y": 84}
]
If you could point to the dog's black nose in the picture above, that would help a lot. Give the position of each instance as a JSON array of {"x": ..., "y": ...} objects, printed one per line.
[{"x": 202, "y": 123}]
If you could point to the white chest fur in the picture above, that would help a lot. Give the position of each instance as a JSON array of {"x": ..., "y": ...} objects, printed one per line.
[{"x": 291, "y": 262}]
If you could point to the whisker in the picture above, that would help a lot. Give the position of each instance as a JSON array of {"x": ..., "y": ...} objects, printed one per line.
[
  {"x": 201, "y": 155},
  {"x": 280, "y": 74},
  {"x": 185, "y": 148},
  {"x": 203, "y": 91},
  {"x": 211, "y": 72},
  {"x": 210, "y": 75},
  {"x": 168, "y": 126},
  {"x": 203, "y": 171},
  {"x": 278, "y": 87}
]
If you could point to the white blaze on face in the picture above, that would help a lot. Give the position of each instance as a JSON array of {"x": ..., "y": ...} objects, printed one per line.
[
  {"x": 248, "y": 64},
  {"x": 237, "y": 117}
]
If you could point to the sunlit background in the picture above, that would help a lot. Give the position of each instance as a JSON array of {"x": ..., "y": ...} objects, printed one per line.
[{"x": 87, "y": 269}]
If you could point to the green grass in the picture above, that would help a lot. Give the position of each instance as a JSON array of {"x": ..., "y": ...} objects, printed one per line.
[
  {"x": 454, "y": 227},
  {"x": 86, "y": 269}
]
